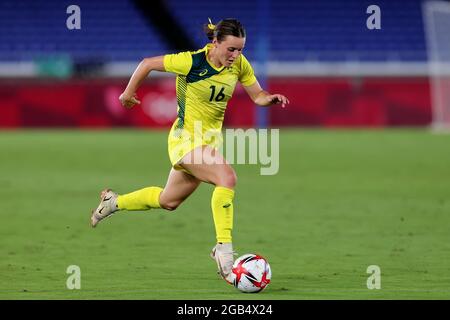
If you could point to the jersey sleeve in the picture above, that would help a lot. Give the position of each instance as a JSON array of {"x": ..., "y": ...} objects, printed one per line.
[
  {"x": 247, "y": 75},
  {"x": 178, "y": 63}
]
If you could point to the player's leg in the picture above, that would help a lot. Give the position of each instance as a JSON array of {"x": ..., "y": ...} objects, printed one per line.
[
  {"x": 208, "y": 165},
  {"x": 214, "y": 169},
  {"x": 178, "y": 187}
]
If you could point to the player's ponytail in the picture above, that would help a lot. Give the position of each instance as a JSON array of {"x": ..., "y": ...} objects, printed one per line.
[{"x": 226, "y": 27}]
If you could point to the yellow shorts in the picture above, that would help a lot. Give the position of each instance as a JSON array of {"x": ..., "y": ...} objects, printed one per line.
[{"x": 182, "y": 141}]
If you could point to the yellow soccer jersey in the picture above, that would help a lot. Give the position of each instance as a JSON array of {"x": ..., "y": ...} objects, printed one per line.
[{"x": 203, "y": 90}]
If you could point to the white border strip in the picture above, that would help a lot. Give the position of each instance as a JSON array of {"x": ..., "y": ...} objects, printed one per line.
[
  {"x": 274, "y": 69},
  {"x": 18, "y": 69}
]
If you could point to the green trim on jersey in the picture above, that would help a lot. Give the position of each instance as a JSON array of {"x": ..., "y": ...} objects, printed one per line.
[
  {"x": 181, "y": 100},
  {"x": 201, "y": 69}
]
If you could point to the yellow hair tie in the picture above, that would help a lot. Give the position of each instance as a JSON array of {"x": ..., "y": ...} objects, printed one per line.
[{"x": 211, "y": 26}]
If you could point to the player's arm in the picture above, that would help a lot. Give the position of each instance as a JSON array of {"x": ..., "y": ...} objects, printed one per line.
[
  {"x": 128, "y": 98},
  {"x": 264, "y": 98}
]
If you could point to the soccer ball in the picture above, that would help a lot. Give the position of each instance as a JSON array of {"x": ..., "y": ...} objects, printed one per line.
[{"x": 251, "y": 273}]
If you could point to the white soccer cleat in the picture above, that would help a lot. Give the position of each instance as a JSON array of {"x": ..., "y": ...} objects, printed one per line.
[
  {"x": 107, "y": 206},
  {"x": 223, "y": 254}
]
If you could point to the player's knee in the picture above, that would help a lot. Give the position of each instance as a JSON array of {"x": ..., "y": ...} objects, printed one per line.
[
  {"x": 170, "y": 205},
  {"x": 228, "y": 179}
]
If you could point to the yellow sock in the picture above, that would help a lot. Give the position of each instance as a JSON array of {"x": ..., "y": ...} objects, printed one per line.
[
  {"x": 143, "y": 199},
  {"x": 222, "y": 208}
]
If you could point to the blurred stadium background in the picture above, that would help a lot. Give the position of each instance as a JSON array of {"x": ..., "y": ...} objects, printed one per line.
[
  {"x": 321, "y": 54},
  {"x": 343, "y": 199}
]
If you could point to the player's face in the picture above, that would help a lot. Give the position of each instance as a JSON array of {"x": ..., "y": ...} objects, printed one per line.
[{"x": 229, "y": 49}]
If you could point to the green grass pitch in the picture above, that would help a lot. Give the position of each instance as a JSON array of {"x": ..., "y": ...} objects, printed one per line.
[{"x": 341, "y": 201}]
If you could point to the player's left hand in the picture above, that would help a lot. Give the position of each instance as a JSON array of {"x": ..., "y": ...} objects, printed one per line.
[{"x": 278, "y": 99}]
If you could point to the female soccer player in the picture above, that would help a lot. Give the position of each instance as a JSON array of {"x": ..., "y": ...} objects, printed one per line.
[{"x": 205, "y": 82}]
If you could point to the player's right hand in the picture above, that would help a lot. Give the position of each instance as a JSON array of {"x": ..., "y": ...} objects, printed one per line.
[{"x": 128, "y": 101}]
